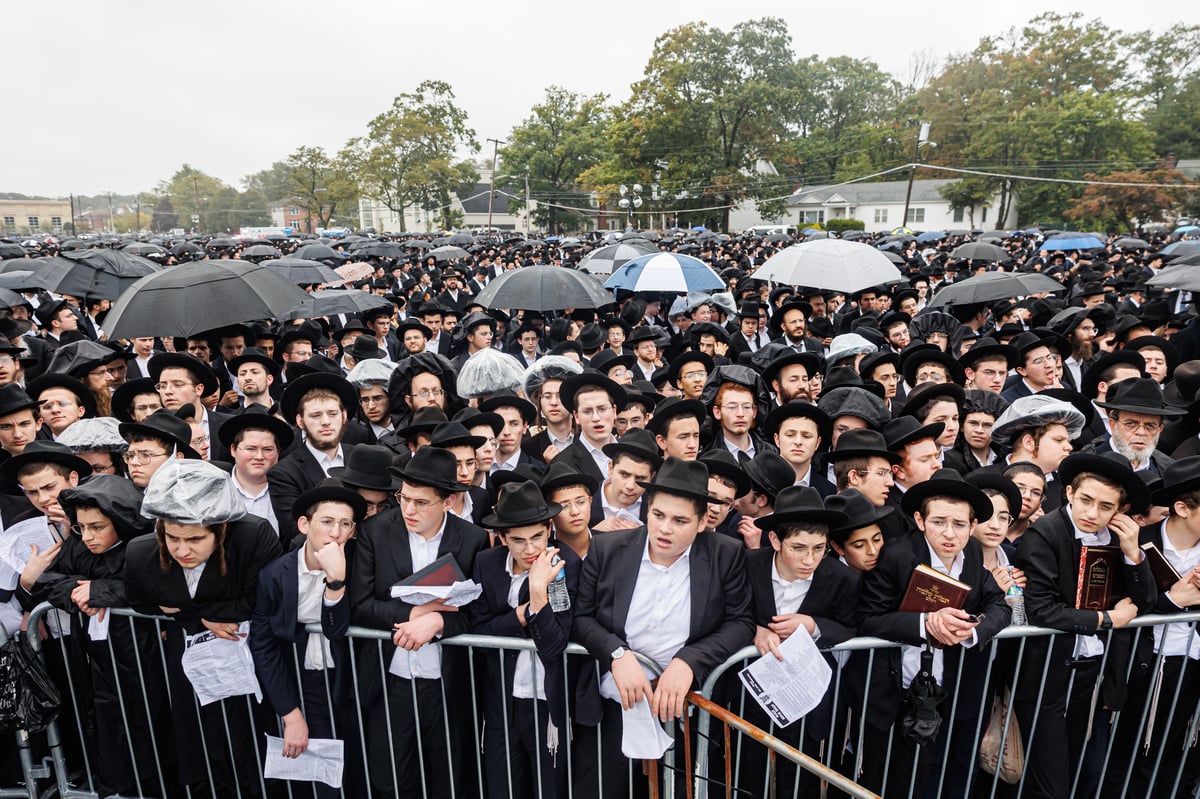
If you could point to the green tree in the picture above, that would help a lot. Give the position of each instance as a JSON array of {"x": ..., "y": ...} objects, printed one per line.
[
  {"x": 407, "y": 157},
  {"x": 1175, "y": 122},
  {"x": 221, "y": 207},
  {"x": 164, "y": 218},
  {"x": 1122, "y": 208},
  {"x": 563, "y": 136},
  {"x": 322, "y": 184},
  {"x": 712, "y": 106}
]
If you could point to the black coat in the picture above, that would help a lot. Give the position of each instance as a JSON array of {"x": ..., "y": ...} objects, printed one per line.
[
  {"x": 882, "y": 590},
  {"x": 1049, "y": 554},
  {"x": 721, "y": 620},
  {"x": 577, "y": 457},
  {"x": 296, "y": 472}
]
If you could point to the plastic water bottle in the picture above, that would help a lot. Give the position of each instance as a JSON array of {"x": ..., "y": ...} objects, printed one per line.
[
  {"x": 556, "y": 592},
  {"x": 1015, "y": 597}
]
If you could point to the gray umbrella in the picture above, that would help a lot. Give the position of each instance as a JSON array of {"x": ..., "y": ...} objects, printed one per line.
[
  {"x": 335, "y": 301},
  {"x": 991, "y": 286},
  {"x": 1183, "y": 276},
  {"x": 544, "y": 288},
  {"x": 200, "y": 296},
  {"x": 303, "y": 272},
  {"x": 318, "y": 252},
  {"x": 607, "y": 259},
  {"x": 106, "y": 274},
  {"x": 9, "y": 299},
  {"x": 448, "y": 253},
  {"x": 142, "y": 248},
  {"x": 17, "y": 280},
  {"x": 981, "y": 251}
]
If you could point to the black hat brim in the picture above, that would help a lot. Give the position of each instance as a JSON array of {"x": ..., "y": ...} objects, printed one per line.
[
  {"x": 10, "y": 467},
  {"x": 296, "y": 389},
  {"x": 981, "y": 504},
  {"x": 677, "y": 489},
  {"x": 834, "y": 519},
  {"x": 74, "y": 385},
  {"x": 284, "y": 436},
  {"x": 572, "y": 385},
  {"x": 331, "y": 493},
  {"x": 1136, "y": 491},
  {"x": 853, "y": 523},
  {"x": 127, "y": 429},
  {"x": 178, "y": 360}
]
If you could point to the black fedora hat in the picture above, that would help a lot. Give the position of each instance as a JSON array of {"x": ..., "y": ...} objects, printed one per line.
[
  {"x": 181, "y": 360},
  {"x": 812, "y": 363},
  {"x": 775, "y": 325},
  {"x": 915, "y": 355},
  {"x": 904, "y": 430},
  {"x": 562, "y": 475},
  {"x": 721, "y": 462},
  {"x": 507, "y": 399},
  {"x": 353, "y": 326},
  {"x": 1139, "y": 395},
  {"x": 682, "y": 479},
  {"x": 604, "y": 360},
  {"x": 453, "y": 434},
  {"x": 122, "y": 398},
  {"x": 683, "y": 359},
  {"x": 641, "y": 392},
  {"x": 1090, "y": 385},
  {"x": 13, "y": 398},
  {"x": 948, "y": 483},
  {"x": 1156, "y": 342},
  {"x": 861, "y": 444},
  {"x": 869, "y": 363},
  {"x": 804, "y": 410},
  {"x": 1184, "y": 389},
  {"x": 1116, "y": 470},
  {"x": 296, "y": 388},
  {"x": 412, "y": 323},
  {"x": 985, "y": 348},
  {"x": 331, "y": 489},
  {"x": 925, "y": 392},
  {"x": 573, "y": 384},
  {"x": 859, "y": 511},
  {"x": 86, "y": 399},
  {"x": 1031, "y": 340},
  {"x": 257, "y": 417},
  {"x": 44, "y": 452},
  {"x": 165, "y": 425},
  {"x": 521, "y": 504},
  {"x": 640, "y": 334},
  {"x": 591, "y": 337},
  {"x": 769, "y": 473},
  {"x": 433, "y": 467},
  {"x": 673, "y": 408},
  {"x": 255, "y": 355},
  {"x": 365, "y": 348},
  {"x": 1181, "y": 477},
  {"x": 800, "y": 504},
  {"x": 367, "y": 467},
  {"x": 426, "y": 420},
  {"x": 983, "y": 479},
  {"x": 639, "y": 443},
  {"x": 473, "y": 417}
]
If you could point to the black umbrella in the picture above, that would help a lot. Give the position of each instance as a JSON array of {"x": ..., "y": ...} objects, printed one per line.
[
  {"x": 378, "y": 249},
  {"x": 142, "y": 248},
  {"x": 317, "y": 252},
  {"x": 18, "y": 280},
  {"x": 607, "y": 259},
  {"x": 893, "y": 256},
  {"x": 1130, "y": 243},
  {"x": 448, "y": 253},
  {"x": 106, "y": 274},
  {"x": 461, "y": 239},
  {"x": 204, "y": 295},
  {"x": 10, "y": 298},
  {"x": 991, "y": 286},
  {"x": 779, "y": 238},
  {"x": 336, "y": 301},
  {"x": 21, "y": 265},
  {"x": 9, "y": 249},
  {"x": 980, "y": 251},
  {"x": 417, "y": 244},
  {"x": 544, "y": 288},
  {"x": 303, "y": 272},
  {"x": 260, "y": 251},
  {"x": 222, "y": 244},
  {"x": 187, "y": 249}
]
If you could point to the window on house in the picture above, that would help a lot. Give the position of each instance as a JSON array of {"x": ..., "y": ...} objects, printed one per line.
[
  {"x": 33, "y": 223},
  {"x": 958, "y": 214},
  {"x": 56, "y": 224},
  {"x": 814, "y": 217},
  {"x": 916, "y": 215},
  {"x": 10, "y": 221},
  {"x": 881, "y": 215}
]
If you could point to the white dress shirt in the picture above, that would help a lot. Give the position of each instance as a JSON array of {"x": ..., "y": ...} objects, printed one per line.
[
  {"x": 1178, "y": 639},
  {"x": 911, "y": 655},
  {"x": 257, "y": 504},
  {"x": 633, "y": 513},
  {"x": 524, "y": 685},
  {"x": 602, "y": 460},
  {"x": 467, "y": 509},
  {"x": 324, "y": 461},
  {"x": 789, "y": 596},
  {"x": 508, "y": 465},
  {"x": 426, "y": 662},
  {"x": 660, "y": 610},
  {"x": 310, "y": 600},
  {"x": 192, "y": 577},
  {"x": 1087, "y": 646}
]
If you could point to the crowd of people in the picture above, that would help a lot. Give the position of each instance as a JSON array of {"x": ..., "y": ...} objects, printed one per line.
[{"x": 705, "y": 471}]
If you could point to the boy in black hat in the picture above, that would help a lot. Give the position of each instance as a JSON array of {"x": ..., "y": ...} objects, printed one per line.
[
  {"x": 573, "y": 491},
  {"x": 391, "y": 547},
  {"x": 688, "y": 608},
  {"x": 160, "y": 437},
  {"x": 525, "y": 725},
  {"x": 366, "y": 472},
  {"x": 769, "y": 474},
  {"x": 255, "y": 441},
  {"x": 184, "y": 380},
  {"x": 676, "y": 427},
  {"x": 946, "y": 509},
  {"x": 308, "y": 586},
  {"x": 1098, "y": 495},
  {"x": 727, "y": 483},
  {"x": 257, "y": 374},
  {"x": 56, "y": 318},
  {"x": 618, "y": 503},
  {"x": 413, "y": 337},
  {"x": 797, "y": 590}
]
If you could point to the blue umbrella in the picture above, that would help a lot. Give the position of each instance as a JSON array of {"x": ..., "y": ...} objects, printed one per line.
[
  {"x": 665, "y": 271},
  {"x": 699, "y": 229},
  {"x": 1070, "y": 240},
  {"x": 930, "y": 235},
  {"x": 1187, "y": 229}
]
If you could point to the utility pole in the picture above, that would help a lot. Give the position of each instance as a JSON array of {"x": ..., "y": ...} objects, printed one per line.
[
  {"x": 196, "y": 192},
  {"x": 72, "y": 214},
  {"x": 528, "y": 210},
  {"x": 112, "y": 219},
  {"x": 922, "y": 136},
  {"x": 492, "y": 190},
  {"x": 138, "y": 205}
]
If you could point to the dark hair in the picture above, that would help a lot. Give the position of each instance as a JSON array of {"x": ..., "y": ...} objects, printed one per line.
[
  {"x": 1189, "y": 498},
  {"x": 626, "y": 455},
  {"x": 60, "y": 469},
  {"x": 441, "y": 492},
  {"x": 1025, "y": 467},
  {"x": 138, "y": 437},
  {"x": 1102, "y": 480},
  {"x": 553, "y": 493},
  {"x": 698, "y": 505},
  {"x": 788, "y": 529},
  {"x": 312, "y": 509},
  {"x": 922, "y": 411},
  {"x": 164, "y": 557},
  {"x": 945, "y": 498},
  {"x": 842, "y": 469}
]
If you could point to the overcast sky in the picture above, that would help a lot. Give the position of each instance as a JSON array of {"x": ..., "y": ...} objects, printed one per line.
[{"x": 116, "y": 95}]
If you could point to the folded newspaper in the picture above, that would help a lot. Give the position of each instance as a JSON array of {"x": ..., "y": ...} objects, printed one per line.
[{"x": 455, "y": 595}]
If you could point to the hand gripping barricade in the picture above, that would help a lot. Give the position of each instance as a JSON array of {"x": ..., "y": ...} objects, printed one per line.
[{"x": 1161, "y": 716}]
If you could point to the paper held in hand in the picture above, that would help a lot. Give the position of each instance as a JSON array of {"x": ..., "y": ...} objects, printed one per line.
[
  {"x": 788, "y": 689},
  {"x": 219, "y": 668},
  {"x": 323, "y": 761},
  {"x": 455, "y": 595}
]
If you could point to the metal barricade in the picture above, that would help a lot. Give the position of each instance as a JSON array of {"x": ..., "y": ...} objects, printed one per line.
[
  {"x": 1163, "y": 702},
  {"x": 31, "y": 772}
]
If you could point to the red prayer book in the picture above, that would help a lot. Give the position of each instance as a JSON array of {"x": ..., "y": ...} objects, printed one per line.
[
  {"x": 1164, "y": 573},
  {"x": 442, "y": 572},
  {"x": 1101, "y": 578},
  {"x": 929, "y": 590}
]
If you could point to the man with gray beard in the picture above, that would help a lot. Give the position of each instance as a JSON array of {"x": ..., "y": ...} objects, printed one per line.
[{"x": 1136, "y": 411}]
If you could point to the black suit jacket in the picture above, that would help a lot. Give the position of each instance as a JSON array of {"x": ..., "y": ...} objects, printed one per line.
[
  {"x": 721, "y": 621},
  {"x": 250, "y": 544},
  {"x": 577, "y": 457},
  {"x": 1049, "y": 553},
  {"x": 883, "y": 590},
  {"x": 550, "y": 630},
  {"x": 296, "y": 473},
  {"x": 277, "y": 639},
  {"x": 382, "y": 559}
]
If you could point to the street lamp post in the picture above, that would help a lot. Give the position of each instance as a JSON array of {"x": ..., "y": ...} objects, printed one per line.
[
  {"x": 631, "y": 199},
  {"x": 922, "y": 138}
]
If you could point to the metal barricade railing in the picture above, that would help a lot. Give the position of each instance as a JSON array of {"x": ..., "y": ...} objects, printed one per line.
[
  {"x": 1181, "y": 708},
  {"x": 1007, "y": 663},
  {"x": 31, "y": 771}
]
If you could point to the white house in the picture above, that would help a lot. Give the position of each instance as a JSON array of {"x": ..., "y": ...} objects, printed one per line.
[
  {"x": 879, "y": 205},
  {"x": 474, "y": 208}
]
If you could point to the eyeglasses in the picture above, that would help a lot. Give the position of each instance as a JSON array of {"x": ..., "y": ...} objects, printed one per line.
[
  {"x": 880, "y": 473},
  {"x": 420, "y": 504},
  {"x": 147, "y": 408},
  {"x": 734, "y": 407},
  {"x": 1131, "y": 426},
  {"x": 6, "y": 360},
  {"x": 938, "y": 525},
  {"x": 94, "y": 529},
  {"x": 699, "y": 374},
  {"x": 111, "y": 371},
  {"x": 175, "y": 384},
  {"x": 1051, "y": 359},
  {"x": 1004, "y": 518},
  {"x": 49, "y": 405},
  {"x": 577, "y": 504},
  {"x": 589, "y": 413},
  {"x": 428, "y": 393},
  {"x": 1034, "y": 493},
  {"x": 377, "y": 507},
  {"x": 345, "y": 525},
  {"x": 141, "y": 456}
]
